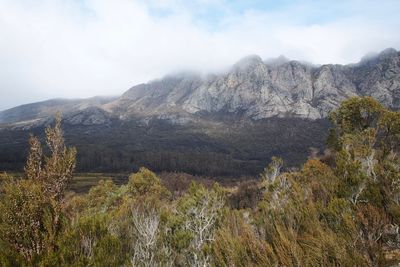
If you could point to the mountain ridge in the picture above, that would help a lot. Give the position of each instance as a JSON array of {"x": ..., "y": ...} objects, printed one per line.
[{"x": 253, "y": 87}]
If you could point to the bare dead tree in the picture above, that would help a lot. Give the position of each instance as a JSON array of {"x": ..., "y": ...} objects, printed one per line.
[
  {"x": 146, "y": 229},
  {"x": 273, "y": 170},
  {"x": 201, "y": 221}
]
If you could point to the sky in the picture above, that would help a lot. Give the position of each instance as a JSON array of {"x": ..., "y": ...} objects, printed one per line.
[{"x": 83, "y": 48}]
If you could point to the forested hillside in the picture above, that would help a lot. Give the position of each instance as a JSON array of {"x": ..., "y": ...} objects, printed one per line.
[
  {"x": 233, "y": 147},
  {"x": 338, "y": 209}
]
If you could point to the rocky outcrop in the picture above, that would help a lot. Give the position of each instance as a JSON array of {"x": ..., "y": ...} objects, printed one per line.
[
  {"x": 253, "y": 88},
  {"x": 274, "y": 88},
  {"x": 88, "y": 116}
]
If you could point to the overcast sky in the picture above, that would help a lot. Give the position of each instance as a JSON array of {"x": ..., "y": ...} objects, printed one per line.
[{"x": 83, "y": 48}]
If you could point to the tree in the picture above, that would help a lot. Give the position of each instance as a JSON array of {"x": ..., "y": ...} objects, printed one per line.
[
  {"x": 89, "y": 242},
  {"x": 273, "y": 170},
  {"x": 355, "y": 115},
  {"x": 367, "y": 139},
  {"x": 59, "y": 166},
  {"x": 146, "y": 227},
  {"x": 24, "y": 215},
  {"x": 145, "y": 183},
  {"x": 32, "y": 207},
  {"x": 200, "y": 210}
]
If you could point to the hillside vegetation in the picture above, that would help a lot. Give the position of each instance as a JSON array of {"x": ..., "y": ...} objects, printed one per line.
[
  {"x": 233, "y": 148},
  {"x": 339, "y": 209}
]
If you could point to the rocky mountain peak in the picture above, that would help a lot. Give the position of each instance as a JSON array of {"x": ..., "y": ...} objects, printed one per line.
[
  {"x": 388, "y": 53},
  {"x": 374, "y": 58},
  {"x": 277, "y": 87},
  {"x": 248, "y": 62},
  {"x": 252, "y": 88},
  {"x": 277, "y": 61}
]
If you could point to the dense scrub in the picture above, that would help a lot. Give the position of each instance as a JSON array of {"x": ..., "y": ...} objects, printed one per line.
[{"x": 339, "y": 209}]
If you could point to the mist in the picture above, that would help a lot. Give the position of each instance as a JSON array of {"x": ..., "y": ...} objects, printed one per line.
[{"x": 80, "y": 48}]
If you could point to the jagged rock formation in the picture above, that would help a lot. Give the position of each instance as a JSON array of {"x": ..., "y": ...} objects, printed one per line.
[
  {"x": 254, "y": 88},
  {"x": 261, "y": 89}
]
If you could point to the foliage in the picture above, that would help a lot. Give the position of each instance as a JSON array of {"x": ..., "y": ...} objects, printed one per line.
[
  {"x": 25, "y": 212},
  {"x": 341, "y": 212},
  {"x": 237, "y": 244},
  {"x": 32, "y": 219}
]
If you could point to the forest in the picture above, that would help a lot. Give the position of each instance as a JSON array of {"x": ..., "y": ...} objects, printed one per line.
[
  {"x": 341, "y": 208},
  {"x": 217, "y": 146}
]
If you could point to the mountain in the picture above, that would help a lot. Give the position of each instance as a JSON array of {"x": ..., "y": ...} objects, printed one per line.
[
  {"x": 240, "y": 117},
  {"x": 37, "y": 113},
  {"x": 259, "y": 89},
  {"x": 254, "y": 88}
]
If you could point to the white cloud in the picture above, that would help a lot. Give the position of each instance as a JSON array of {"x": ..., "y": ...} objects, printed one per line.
[{"x": 84, "y": 48}]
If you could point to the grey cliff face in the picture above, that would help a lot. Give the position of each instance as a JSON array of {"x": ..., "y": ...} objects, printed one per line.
[
  {"x": 275, "y": 88},
  {"x": 88, "y": 116},
  {"x": 254, "y": 88},
  {"x": 379, "y": 77}
]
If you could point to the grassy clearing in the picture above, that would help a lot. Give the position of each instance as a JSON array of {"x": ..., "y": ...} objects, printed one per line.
[{"x": 82, "y": 182}]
